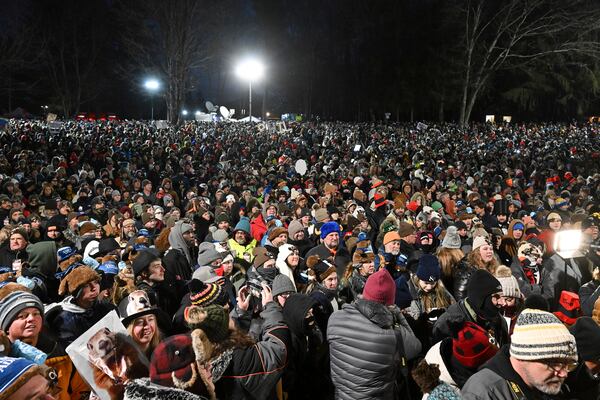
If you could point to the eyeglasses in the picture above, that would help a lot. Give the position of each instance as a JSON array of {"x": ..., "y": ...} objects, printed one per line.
[{"x": 558, "y": 366}]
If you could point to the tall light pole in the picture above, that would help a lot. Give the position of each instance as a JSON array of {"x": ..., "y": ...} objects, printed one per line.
[
  {"x": 152, "y": 85},
  {"x": 251, "y": 70}
]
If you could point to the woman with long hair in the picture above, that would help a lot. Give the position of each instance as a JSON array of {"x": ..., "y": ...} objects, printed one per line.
[{"x": 140, "y": 319}]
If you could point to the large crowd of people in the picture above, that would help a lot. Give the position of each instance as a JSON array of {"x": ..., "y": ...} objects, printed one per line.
[{"x": 400, "y": 261}]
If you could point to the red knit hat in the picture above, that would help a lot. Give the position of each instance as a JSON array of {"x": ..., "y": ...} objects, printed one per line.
[
  {"x": 473, "y": 346},
  {"x": 569, "y": 307},
  {"x": 380, "y": 288}
]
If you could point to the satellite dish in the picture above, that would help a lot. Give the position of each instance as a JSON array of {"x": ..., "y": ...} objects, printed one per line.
[
  {"x": 300, "y": 167},
  {"x": 210, "y": 106},
  {"x": 224, "y": 112}
]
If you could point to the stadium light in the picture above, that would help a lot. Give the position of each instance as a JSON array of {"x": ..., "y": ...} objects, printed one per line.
[
  {"x": 185, "y": 112},
  {"x": 251, "y": 70},
  {"x": 152, "y": 85}
]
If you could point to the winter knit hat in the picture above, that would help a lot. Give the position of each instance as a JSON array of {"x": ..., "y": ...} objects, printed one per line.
[
  {"x": 405, "y": 229},
  {"x": 282, "y": 284},
  {"x": 569, "y": 307},
  {"x": 207, "y": 254},
  {"x": 65, "y": 252},
  {"x": 76, "y": 279},
  {"x": 480, "y": 241},
  {"x": 452, "y": 239},
  {"x": 204, "y": 294},
  {"x": 14, "y": 303},
  {"x": 329, "y": 227},
  {"x": 380, "y": 288},
  {"x": 429, "y": 268},
  {"x": 295, "y": 227},
  {"x": 243, "y": 225},
  {"x": 472, "y": 345},
  {"x": 587, "y": 334},
  {"x": 539, "y": 335},
  {"x": 14, "y": 373},
  {"x": 213, "y": 320},
  {"x": 321, "y": 214},
  {"x": 390, "y": 237},
  {"x": 220, "y": 236},
  {"x": 510, "y": 286}
]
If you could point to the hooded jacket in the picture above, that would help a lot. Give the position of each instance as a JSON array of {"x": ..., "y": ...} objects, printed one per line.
[
  {"x": 178, "y": 262},
  {"x": 307, "y": 352},
  {"x": 68, "y": 321},
  {"x": 42, "y": 267},
  {"x": 364, "y": 349}
]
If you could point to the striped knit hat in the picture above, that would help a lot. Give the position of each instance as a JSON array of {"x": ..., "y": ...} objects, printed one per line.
[
  {"x": 540, "y": 335},
  {"x": 204, "y": 294}
]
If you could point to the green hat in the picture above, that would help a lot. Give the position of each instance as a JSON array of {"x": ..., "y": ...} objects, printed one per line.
[
  {"x": 436, "y": 205},
  {"x": 213, "y": 320}
]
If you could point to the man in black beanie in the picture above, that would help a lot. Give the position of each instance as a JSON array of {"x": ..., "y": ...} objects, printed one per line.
[
  {"x": 481, "y": 306},
  {"x": 584, "y": 382}
]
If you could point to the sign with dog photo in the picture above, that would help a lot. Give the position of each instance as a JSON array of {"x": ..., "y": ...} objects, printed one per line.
[{"x": 107, "y": 358}]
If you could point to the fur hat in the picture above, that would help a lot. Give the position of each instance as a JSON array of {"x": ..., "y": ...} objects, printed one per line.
[
  {"x": 362, "y": 256},
  {"x": 76, "y": 279},
  {"x": 276, "y": 232},
  {"x": 319, "y": 269},
  {"x": 87, "y": 227}
]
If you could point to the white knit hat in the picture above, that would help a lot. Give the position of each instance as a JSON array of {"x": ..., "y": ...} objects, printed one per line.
[
  {"x": 539, "y": 335},
  {"x": 480, "y": 241},
  {"x": 510, "y": 286}
]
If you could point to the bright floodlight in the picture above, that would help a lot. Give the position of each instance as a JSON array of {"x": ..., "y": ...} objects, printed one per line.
[
  {"x": 198, "y": 112},
  {"x": 250, "y": 70},
  {"x": 152, "y": 84},
  {"x": 568, "y": 244},
  {"x": 185, "y": 112}
]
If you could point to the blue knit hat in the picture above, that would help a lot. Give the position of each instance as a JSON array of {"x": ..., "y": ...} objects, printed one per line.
[
  {"x": 65, "y": 252},
  {"x": 329, "y": 227},
  {"x": 243, "y": 225},
  {"x": 429, "y": 268},
  {"x": 403, "y": 296},
  {"x": 14, "y": 373},
  {"x": 109, "y": 267}
]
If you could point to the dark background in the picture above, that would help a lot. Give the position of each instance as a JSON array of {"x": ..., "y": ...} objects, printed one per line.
[{"x": 336, "y": 59}]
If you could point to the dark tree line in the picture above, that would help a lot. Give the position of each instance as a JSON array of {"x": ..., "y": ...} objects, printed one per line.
[{"x": 339, "y": 59}]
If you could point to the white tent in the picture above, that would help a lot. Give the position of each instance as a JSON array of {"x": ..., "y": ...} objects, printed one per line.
[{"x": 247, "y": 119}]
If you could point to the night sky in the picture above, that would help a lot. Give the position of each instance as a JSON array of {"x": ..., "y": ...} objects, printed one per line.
[{"x": 335, "y": 59}]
